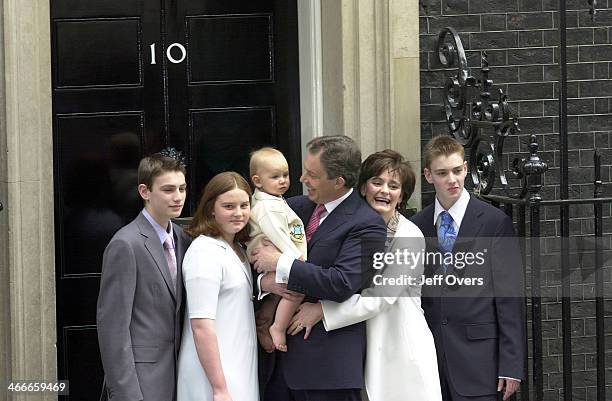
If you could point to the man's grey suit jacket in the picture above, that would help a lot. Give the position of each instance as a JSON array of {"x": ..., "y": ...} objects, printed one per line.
[{"x": 139, "y": 314}]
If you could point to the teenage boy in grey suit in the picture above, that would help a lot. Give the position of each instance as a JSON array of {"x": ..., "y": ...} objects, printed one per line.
[
  {"x": 478, "y": 328},
  {"x": 141, "y": 291}
]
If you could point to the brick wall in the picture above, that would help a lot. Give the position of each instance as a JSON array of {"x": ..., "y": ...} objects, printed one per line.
[{"x": 521, "y": 39}]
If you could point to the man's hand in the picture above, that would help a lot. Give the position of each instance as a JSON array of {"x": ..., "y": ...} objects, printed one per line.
[
  {"x": 307, "y": 315},
  {"x": 269, "y": 284},
  {"x": 265, "y": 257},
  {"x": 510, "y": 385}
]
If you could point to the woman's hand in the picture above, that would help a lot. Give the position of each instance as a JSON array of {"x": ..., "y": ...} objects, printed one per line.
[
  {"x": 307, "y": 315},
  {"x": 222, "y": 396}
]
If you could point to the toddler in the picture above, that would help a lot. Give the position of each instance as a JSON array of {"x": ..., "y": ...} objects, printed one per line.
[{"x": 273, "y": 219}]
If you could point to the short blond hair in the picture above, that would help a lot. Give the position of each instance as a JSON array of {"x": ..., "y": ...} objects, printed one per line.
[
  {"x": 442, "y": 146},
  {"x": 261, "y": 156}
]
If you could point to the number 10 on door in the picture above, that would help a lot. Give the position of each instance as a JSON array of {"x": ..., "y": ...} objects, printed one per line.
[{"x": 169, "y": 53}]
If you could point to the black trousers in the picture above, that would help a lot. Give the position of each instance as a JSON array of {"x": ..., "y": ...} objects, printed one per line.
[
  {"x": 448, "y": 391},
  {"x": 277, "y": 390}
]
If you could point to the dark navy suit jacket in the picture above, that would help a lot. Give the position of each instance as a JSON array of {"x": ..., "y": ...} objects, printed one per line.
[
  {"x": 479, "y": 330},
  {"x": 331, "y": 360}
]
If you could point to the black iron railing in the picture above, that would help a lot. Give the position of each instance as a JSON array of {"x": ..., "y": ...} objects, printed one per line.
[{"x": 480, "y": 117}]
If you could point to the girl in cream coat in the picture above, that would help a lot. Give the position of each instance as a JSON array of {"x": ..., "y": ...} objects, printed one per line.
[{"x": 401, "y": 357}]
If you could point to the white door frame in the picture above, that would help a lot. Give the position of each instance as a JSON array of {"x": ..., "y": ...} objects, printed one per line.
[{"x": 311, "y": 72}]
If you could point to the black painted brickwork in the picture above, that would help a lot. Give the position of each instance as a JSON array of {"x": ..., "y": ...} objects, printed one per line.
[{"x": 521, "y": 39}]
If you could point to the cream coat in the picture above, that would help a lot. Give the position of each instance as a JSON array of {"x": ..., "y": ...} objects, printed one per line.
[
  {"x": 401, "y": 356},
  {"x": 273, "y": 219}
]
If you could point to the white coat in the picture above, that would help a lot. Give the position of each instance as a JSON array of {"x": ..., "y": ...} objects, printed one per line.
[{"x": 401, "y": 356}]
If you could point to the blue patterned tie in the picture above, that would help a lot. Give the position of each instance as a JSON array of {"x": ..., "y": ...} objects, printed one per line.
[{"x": 446, "y": 235}]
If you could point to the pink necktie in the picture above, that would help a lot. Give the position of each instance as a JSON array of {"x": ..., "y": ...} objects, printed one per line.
[
  {"x": 314, "y": 221},
  {"x": 171, "y": 259}
]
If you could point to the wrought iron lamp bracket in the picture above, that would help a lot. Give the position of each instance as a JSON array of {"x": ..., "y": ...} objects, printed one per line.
[{"x": 473, "y": 105}]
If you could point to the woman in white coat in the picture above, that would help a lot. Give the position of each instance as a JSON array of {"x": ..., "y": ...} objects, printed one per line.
[
  {"x": 401, "y": 357},
  {"x": 218, "y": 356}
]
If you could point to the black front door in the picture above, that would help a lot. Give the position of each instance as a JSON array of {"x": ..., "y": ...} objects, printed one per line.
[{"x": 215, "y": 79}]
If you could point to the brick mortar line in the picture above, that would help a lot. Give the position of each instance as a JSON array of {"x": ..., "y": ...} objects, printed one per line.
[
  {"x": 514, "y": 100},
  {"x": 575, "y": 10},
  {"x": 492, "y": 67},
  {"x": 522, "y": 30}
]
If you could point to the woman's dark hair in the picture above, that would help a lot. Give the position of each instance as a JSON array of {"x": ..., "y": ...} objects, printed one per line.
[{"x": 392, "y": 161}]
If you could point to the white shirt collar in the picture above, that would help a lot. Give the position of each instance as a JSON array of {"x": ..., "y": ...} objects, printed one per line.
[
  {"x": 457, "y": 211},
  {"x": 330, "y": 206},
  {"x": 261, "y": 195},
  {"x": 161, "y": 232}
]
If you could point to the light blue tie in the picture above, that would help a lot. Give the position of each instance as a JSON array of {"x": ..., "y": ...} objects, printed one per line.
[{"x": 446, "y": 235}]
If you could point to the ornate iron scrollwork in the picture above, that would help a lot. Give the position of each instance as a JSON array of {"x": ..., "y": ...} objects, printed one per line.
[
  {"x": 470, "y": 108},
  {"x": 592, "y": 8},
  {"x": 451, "y": 53},
  {"x": 531, "y": 170}
]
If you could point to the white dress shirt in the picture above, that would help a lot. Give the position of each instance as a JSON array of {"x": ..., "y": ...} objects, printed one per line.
[
  {"x": 283, "y": 266},
  {"x": 457, "y": 211}
]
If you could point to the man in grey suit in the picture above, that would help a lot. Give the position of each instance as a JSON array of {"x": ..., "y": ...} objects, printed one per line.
[{"x": 139, "y": 306}]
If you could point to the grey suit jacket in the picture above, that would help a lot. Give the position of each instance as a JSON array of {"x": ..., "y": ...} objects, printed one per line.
[{"x": 139, "y": 314}]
